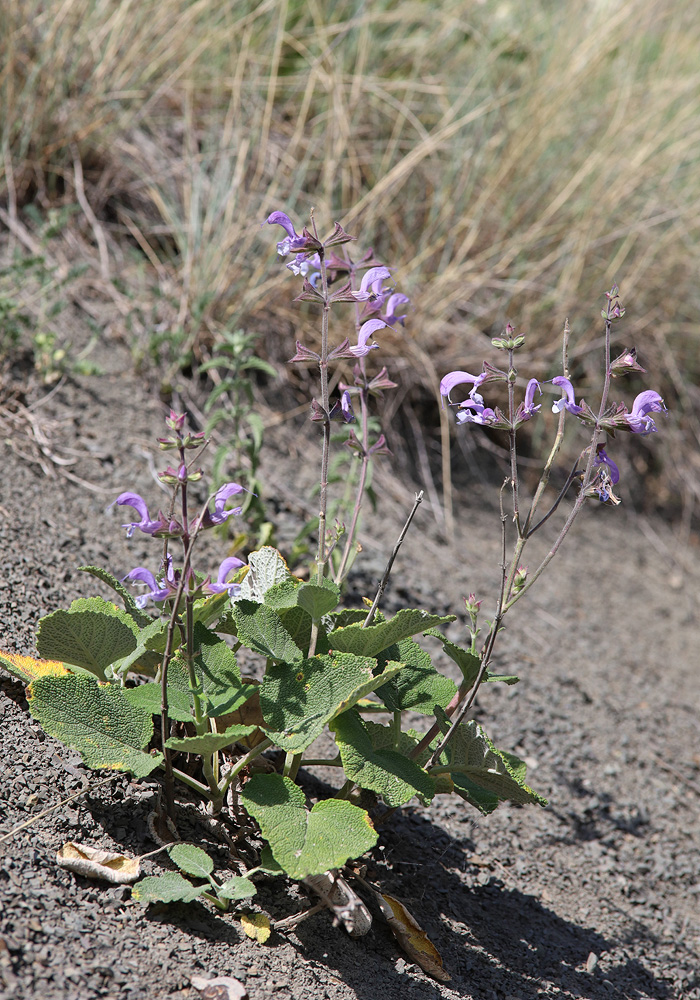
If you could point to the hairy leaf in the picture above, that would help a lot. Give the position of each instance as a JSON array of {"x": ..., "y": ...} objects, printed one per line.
[
  {"x": 218, "y": 673},
  {"x": 371, "y": 641},
  {"x": 92, "y": 634},
  {"x": 237, "y": 887},
  {"x": 210, "y": 742},
  {"x": 467, "y": 662},
  {"x": 266, "y": 567},
  {"x": 472, "y": 754},
  {"x": 168, "y": 888},
  {"x": 191, "y": 860},
  {"x": 370, "y": 759},
  {"x": 260, "y": 628},
  {"x": 306, "y": 843},
  {"x": 297, "y": 700},
  {"x": 419, "y": 686},
  {"x": 28, "y": 668},
  {"x": 96, "y": 720}
]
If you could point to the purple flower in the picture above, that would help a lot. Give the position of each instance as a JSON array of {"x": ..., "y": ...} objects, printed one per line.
[
  {"x": 568, "y": 403},
  {"x": 457, "y": 378},
  {"x": 159, "y": 590},
  {"x": 146, "y": 525},
  {"x": 603, "y": 459},
  {"x": 220, "y": 587},
  {"x": 342, "y": 409},
  {"x": 220, "y": 497},
  {"x": 638, "y": 419},
  {"x": 473, "y": 411},
  {"x": 366, "y": 331},
  {"x": 394, "y": 303},
  {"x": 371, "y": 284},
  {"x": 294, "y": 243}
]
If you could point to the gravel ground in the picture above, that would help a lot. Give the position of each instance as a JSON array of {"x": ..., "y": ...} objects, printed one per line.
[{"x": 594, "y": 896}]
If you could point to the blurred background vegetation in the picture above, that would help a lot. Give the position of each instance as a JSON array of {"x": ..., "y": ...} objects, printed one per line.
[{"x": 509, "y": 160}]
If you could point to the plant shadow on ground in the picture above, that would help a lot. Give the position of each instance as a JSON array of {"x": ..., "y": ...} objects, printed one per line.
[{"x": 490, "y": 937}]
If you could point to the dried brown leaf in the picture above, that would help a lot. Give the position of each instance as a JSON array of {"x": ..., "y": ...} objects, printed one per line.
[
  {"x": 221, "y": 988},
  {"x": 95, "y": 863},
  {"x": 412, "y": 938}
]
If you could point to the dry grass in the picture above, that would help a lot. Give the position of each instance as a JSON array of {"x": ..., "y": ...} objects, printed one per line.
[{"x": 510, "y": 160}]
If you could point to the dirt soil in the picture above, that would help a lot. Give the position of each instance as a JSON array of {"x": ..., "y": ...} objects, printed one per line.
[{"x": 595, "y": 896}]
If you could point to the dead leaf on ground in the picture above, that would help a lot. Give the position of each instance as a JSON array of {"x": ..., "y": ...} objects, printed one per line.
[
  {"x": 221, "y": 988},
  {"x": 256, "y": 926},
  {"x": 412, "y": 938},
  {"x": 92, "y": 862}
]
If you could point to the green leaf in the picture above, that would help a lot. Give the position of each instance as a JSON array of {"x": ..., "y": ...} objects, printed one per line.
[
  {"x": 236, "y": 888},
  {"x": 169, "y": 888},
  {"x": 370, "y": 759},
  {"x": 371, "y": 641},
  {"x": 191, "y": 860},
  {"x": 317, "y": 599},
  {"x": 472, "y": 754},
  {"x": 260, "y": 628},
  {"x": 143, "y": 657},
  {"x": 148, "y": 697},
  {"x": 467, "y": 662},
  {"x": 92, "y": 634},
  {"x": 283, "y": 595},
  {"x": 268, "y": 863},
  {"x": 266, "y": 568},
  {"x": 306, "y": 843},
  {"x": 209, "y": 742},
  {"x": 136, "y": 613},
  {"x": 419, "y": 686},
  {"x": 503, "y": 678},
  {"x": 218, "y": 673},
  {"x": 96, "y": 720},
  {"x": 298, "y": 700},
  {"x": 478, "y": 797}
]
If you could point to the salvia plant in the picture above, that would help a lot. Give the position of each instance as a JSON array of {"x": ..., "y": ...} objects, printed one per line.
[{"x": 107, "y": 672}]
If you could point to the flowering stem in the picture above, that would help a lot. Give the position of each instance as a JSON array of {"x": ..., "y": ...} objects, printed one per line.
[
  {"x": 325, "y": 456},
  {"x": 512, "y": 373},
  {"x": 559, "y": 437},
  {"x": 578, "y": 503},
  {"x": 364, "y": 468}
]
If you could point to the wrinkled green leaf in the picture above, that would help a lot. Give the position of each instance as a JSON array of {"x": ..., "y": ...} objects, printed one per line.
[
  {"x": 419, "y": 686},
  {"x": 218, "y": 674},
  {"x": 209, "y": 742},
  {"x": 318, "y": 600},
  {"x": 92, "y": 634},
  {"x": 96, "y": 720},
  {"x": 168, "y": 888},
  {"x": 191, "y": 860},
  {"x": 260, "y": 628},
  {"x": 467, "y": 662},
  {"x": 370, "y": 759},
  {"x": 371, "y": 641},
  {"x": 236, "y": 888},
  {"x": 478, "y": 797},
  {"x": 472, "y": 754},
  {"x": 306, "y": 843},
  {"x": 297, "y": 700},
  {"x": 143, "y": 658}
]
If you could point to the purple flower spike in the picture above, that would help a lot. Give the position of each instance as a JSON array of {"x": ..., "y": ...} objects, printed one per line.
[
  {"x": 569, "y": 403},
  {"x": 139, "y": 504},
  {"x": 458, "y": 378},
  {"x": 638, "y": 419},
  {"x": 371, "y": 284},
  {"x": 366, "y": 331},
  {"x": 293, "y": 242},
  {"x": 220, "y": 587}
]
